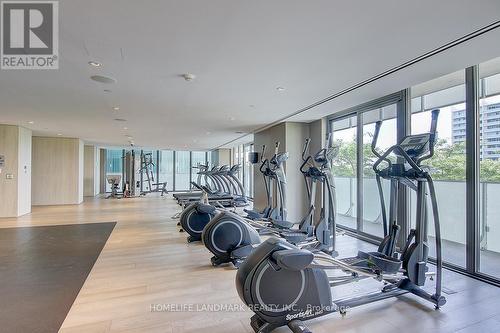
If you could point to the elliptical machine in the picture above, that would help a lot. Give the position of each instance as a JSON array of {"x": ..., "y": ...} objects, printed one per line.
[
  {"x": 268, "y": 174},
  {"x": 285, "y": 285},
  {"x": 223, "y": 234}
]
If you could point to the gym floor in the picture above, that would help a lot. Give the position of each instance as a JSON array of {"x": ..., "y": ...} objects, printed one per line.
[{"x": 147, "y": 262}]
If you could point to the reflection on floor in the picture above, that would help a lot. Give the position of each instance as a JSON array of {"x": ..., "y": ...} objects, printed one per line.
[
  {"x": 146, "y": 261},
  {"x": 42, "y": 270}
]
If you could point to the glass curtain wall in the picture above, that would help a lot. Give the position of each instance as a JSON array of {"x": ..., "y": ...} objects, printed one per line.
[
  {"x": 468, "y": 140},
  {"x": 166, "y": 168},
  {"x": 489, "y": 171},
  {"x": 182, "y": 170},
  {"x": 197, "y": 158},
  {"x": 372, "y": 212},
  {"x": 448, "y": 165},
  {"x": 248, "y": 171},
  {"x": 358, "y": 202},
  {"x": 149, "y": 156},
  {"x": 179, "y": 168},
  {"x": 344, "y": 170},
  {"x": 114, "y": 164}
]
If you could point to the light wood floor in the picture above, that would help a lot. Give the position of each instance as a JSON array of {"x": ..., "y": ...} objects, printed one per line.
[{"x": 147, "y": 261}]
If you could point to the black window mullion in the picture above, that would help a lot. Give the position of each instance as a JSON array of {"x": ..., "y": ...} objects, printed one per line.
[{"x": 472, "y": 168}]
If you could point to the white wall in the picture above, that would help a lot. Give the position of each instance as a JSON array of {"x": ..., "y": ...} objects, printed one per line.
[
  {"x": 57, "y": 171},
  {"x": 292, "y": 136},
  {"x": 317, "y": 134},
  {"x": 268, "y": 137},
  {"x": 297, "y": 200},
  {"x": 224, "y": 156}
]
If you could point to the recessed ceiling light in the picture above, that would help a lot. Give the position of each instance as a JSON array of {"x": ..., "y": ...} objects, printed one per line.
[
  {"x": 95, "y": 63},
  {"x": 232, "y": 118},
  {"x": 280, "y": 88},
  {"x": 59, "y": 134},
  {"x": 103, "y": 79},
  {"x": 31, "y": 122},
  {"x": 116, "y": 108},
  {"x": 120, "y": 119},
  {"x": 208, "y": 133},
  {"x": 130, "y": 137},
  {"x": 125, "y": 128}
]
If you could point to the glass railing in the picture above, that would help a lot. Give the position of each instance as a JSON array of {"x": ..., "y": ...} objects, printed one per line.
[{"x": 451, "y": 203}]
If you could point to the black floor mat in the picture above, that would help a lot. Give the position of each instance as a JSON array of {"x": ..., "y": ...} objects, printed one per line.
[{"x": 42, "y": 269}]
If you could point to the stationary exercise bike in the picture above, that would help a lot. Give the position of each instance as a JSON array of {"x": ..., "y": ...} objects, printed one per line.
[{"x": 284, "y": 285}]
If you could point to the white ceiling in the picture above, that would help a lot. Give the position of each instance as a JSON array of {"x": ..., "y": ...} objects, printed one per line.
[{"x": 240, "y": 52}]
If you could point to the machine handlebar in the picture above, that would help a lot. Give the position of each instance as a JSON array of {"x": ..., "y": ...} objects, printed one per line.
[
  {"x": 329, "y": 141},
  {"x": 378, "y": 124},
  {"x": 306, "y": 148},
  {"x": 263, "y": 153},
  {"x": 432, "y": 136}
]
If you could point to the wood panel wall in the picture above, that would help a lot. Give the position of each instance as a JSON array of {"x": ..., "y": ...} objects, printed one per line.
[
  {"x": 57, "y": 175},
  {"x": 15, "y": 178},
  {"x": 9, "y": 140}
]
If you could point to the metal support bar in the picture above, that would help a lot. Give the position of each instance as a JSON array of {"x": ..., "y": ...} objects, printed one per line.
[
  {"x": 403, "y": 123},
  {"x": 174, "y": 153},
  {"x": 472, "y": 167},
  {"x": 157, "y": 167},
  {"x": 359, "y": 172},
  {"x": 123, "y": 169},
  {"x": 190, "y": 169}
]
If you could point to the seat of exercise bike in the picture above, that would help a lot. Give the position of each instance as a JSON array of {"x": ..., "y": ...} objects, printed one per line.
[
  {"x": 294, "y": 260},
  {"x": 253, "y": 215},
  {"x": 282, "y": 224},
  {"x": 205, "y": 209},
  {"x": 379, "y": 262},
  {"x": 294, "y": 237}
]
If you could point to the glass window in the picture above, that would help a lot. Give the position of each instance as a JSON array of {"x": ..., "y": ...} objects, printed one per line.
[
  {"x": 197, "y": 158},
  {"x": 149, "y": 165},
  {"x": 344, "y": 170},
  {"x": 489, "y": 186},
  {"x": 372, "y": 216},
  {"x": 248, "y": 171},
  {"x": 114, "y": 164},
  {"x": 182, "y": 170},
  {"x": 209, "y": 159},
  {"x": 241, "y": 161},
  {"x": 166, "y": 165},
  {"x": 447, "y": 165}
]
